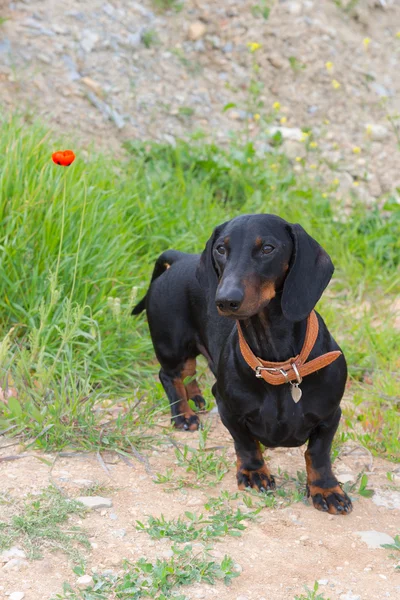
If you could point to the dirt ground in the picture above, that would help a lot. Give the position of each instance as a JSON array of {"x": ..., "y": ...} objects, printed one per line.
[
  {"x": 285, "y": 549},
  {"x": 112, "y": 71}
]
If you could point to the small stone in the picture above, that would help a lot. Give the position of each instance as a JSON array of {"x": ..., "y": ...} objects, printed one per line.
[
  {"x": 288, "y": 133},
  {"x": 13, "y": 552},
  {"x": 349, "y": 596},
  {"x": 323, "y": 581},
  {"x": 119, "y": 533},
  {"x": 387, "y": 498},
  {"x": 294, "y": 8},
  {"x": 276, "y": 61},
  {"x": 16, "y": 564},
  {"x": 194, "y": 502},
  {"x": 94, "y": 86},
  {"x": 375, "y": 539},
  {"x": 93, "y": 502},
  {"x": 83, "y": 482},
  {"x": 346, "y": 477},
  {"x": 242, "y": 598},
  {"x": 17, "y": 596},
  {"x": 89, "y": 40},
  {"x": 44, "y": 58},
  {"x": 84, "y": 581},
  {"x": 196, "y": 31},
  {"x": 376, "y": 132}
]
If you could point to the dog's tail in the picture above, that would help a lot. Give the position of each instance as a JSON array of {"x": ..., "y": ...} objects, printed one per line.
[{"x": 163, "y": 262}]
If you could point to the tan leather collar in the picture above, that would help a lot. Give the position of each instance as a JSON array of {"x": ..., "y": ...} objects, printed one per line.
[{"x": 293, "y": 369}]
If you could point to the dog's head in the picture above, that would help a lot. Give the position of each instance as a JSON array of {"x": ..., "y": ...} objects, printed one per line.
[{"x": 252, "y": 259}]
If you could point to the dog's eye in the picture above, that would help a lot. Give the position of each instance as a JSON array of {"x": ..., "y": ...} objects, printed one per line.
[
  {"x": 267, "y": 249},
  {"x": 221, "y": 250}
]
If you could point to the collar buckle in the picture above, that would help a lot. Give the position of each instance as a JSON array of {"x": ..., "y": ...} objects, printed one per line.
[{"x": 258, "y": 373}]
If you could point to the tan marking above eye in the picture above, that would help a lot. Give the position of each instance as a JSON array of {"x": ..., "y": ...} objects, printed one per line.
[{"x": 259, "y": 242}]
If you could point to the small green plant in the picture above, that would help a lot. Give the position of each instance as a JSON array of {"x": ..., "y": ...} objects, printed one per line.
[
  {"x": 150, "y": 38},
  {"x": 164, "y": 5},
  {"x": 347, "y": 7},
  {"x": 185, "y": 111},
  {"x": 204, "y": 463},
  {"x": 261, "y": 10},
  {"x": 296, "y": 65},
  {"x": 193, "y": 67},
  {"x": 159, "y": 580},
  {"x": 311, "y": 594},
  {"x": 97, "y": 488},
  {"x": 40, "y": 523},
  {"x": 222, "y": 520},
  {"x": 362, "y": 483},
  {"x": 396, "y": 547}
]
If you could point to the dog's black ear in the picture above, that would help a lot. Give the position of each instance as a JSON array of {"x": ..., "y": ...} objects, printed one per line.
[
  {"x": 206, "y": 272},
  {"x": 310, "y": 271}
]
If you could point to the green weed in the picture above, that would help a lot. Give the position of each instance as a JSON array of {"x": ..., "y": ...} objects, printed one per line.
[
  {"x": 311, "y": 594},
  {"x": 159, "y": 580},
  {"x": 205, "y": 464},
  {"x": 43, "y": 522},
  {"x": 396, "y": 547},
  {"x": 221, "y": 520},
  {"x": 164, "y": 5},
  {"x": 150, "y": 38}
]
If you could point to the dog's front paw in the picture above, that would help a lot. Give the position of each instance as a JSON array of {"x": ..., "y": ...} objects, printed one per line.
[
  {"x": 332, "y": 500},
  {"x": 187, "y": 422},
  {"x": 261, "y": 479}
]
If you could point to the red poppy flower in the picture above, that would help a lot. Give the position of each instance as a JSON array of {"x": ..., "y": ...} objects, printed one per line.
[{"x": 63, "y": 157}]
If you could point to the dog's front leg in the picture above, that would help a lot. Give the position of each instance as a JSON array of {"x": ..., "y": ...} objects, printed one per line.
[
  {"x": 323, "y": 487},
  {"x": 252, "y": 472}
]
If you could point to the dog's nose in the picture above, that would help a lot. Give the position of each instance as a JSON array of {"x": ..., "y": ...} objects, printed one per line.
[{"x": 229, "y": 302}]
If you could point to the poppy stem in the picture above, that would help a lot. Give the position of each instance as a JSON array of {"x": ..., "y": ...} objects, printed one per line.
[
  {"x": 62, "y": 227},
  {"x": 79, "y": 239}
]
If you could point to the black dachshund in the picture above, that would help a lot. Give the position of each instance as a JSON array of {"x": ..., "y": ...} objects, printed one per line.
[{"x": 247, "y": 304}]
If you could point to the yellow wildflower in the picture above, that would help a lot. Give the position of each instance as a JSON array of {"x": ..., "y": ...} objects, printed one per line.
[
  {"x": 256, "y": 117},
  {"x": 368, "y": 129},
  {"x": 327, "y": 122},
  {"x": 324, "y": 195},
  {"x": 283, "y": 120},
  {"x": 304, "y": 135},
  {"x": 398, "y": 34},
  {"x": 276, "y": 105},
  {"x": 335, "y": 84},
  {"x": 335, "y": 181},
  {"x": 253, "y": 46},
  {"x": 356, "y": 183},
  {"x": 249, "y": 160},
  {"x": 313, "y": 166},
  {"x": 356, "y": 149},
  {"x": 329, "y": 66},
  {"x": 314, "y": 145},
  {"x": 366, "y": 42},
  {"x": 298, "y": 159},
  {"x": 274, "y": 167}
]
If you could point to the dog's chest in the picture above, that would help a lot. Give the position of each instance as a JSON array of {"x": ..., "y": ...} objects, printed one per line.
[{"x": 280, "y": 421}]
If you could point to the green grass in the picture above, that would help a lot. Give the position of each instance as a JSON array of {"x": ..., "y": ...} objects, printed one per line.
[
  {"x": 82, "y": 370},
  {"x": 43, "y": 522},
  {"x": 160, "y": 579}
]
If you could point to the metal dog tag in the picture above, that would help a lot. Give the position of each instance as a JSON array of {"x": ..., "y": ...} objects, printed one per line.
[{"x": 296, "y": 392}]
